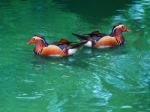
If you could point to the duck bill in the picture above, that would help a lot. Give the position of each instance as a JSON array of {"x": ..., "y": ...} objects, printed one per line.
[
  {"x": 30, "y": 42},
  {"x": 127, "y": 30}
]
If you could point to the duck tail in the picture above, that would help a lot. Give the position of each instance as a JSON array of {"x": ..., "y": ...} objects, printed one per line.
[
  {"x": 78, "y": 45},
  {"x": 81, "y": 37}
]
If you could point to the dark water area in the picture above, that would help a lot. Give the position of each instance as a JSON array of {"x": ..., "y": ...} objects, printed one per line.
[
  {"x": 93, "y": 80},
  {"x": 93, "y": 10}
]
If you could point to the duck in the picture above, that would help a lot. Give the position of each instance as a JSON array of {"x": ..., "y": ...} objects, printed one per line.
[
  {"x": 60, "y": 48},
  {"x": 97, "y": 39}
]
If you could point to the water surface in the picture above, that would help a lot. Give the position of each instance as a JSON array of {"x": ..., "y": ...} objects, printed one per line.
[{"x": 93, "y": 80}]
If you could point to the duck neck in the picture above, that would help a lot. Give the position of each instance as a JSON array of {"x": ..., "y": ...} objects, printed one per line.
[
  {"x": 118, "y": 35},
  {"x": 38, "y": 47}
]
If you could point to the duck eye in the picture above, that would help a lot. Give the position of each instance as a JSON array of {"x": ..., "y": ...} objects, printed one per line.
[
  {"x": 122, "y": 27},
  {"x": 33, "y": 39}
]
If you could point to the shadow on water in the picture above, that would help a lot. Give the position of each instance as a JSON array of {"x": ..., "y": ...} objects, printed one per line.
[
  {"x": 90, "y": 52},
  {"x": 80, "y": 60},
  {"x": 93, "y": 11},
  {"x": 71, "y": 61}
]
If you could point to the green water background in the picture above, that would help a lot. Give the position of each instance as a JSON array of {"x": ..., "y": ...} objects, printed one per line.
[{"x": 93, "y": 80}]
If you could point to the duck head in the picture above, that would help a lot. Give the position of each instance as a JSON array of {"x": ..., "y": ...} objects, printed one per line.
[
  {"x": 117, "y": 31},
  {"x": 120, "y": 27},
  {"x": 39, "y": 42},
  {"x": 37, "y": 39}
]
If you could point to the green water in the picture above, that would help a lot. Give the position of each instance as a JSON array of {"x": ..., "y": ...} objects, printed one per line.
[{"x": 93, "y": 80}]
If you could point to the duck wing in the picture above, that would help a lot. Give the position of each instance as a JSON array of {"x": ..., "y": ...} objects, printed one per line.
[
  {"x": 96, "y": 33},
  {"x": 82, "y": 38},
  {"x": 61, "y": 42},
  {"x": 76, "y": 45}
]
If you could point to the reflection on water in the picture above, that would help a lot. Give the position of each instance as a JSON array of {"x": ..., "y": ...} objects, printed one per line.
[
  {"x": 93, "y": 80},
  {"x": 93, "y": 11}
]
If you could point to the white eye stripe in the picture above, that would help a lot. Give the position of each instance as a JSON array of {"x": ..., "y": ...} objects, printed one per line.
[
  {"x": 38, "y": 38},
  {"x": 119, "y": 26}
]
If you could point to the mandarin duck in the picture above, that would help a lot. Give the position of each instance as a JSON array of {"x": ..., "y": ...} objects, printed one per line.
[
  {"x": 101, "y": 40},
  {"x": 60, "y": 48}
]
